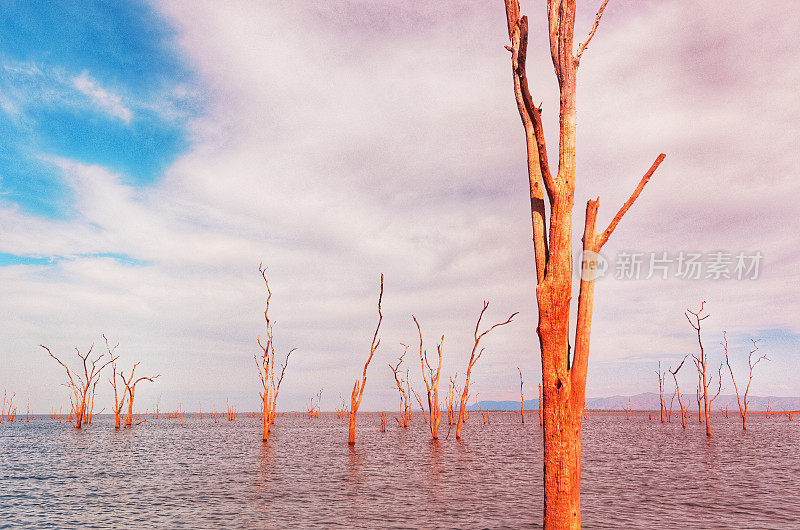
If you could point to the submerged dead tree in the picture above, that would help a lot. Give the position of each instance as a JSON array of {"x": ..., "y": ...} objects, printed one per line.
[
  {"x": 563, "y": 374},
  {"x": 80, "y": 381},
  {"x": 661, "y": 375},
  {"x": 265, "y": 362},
  {"x": 678, "y": 391},
  {"x": 405, "y": 398},
  {"x": 701, "y": 363},
  {"x": 743, "y": 401},
  {"x": 431, "y": 379},
  {"x": 130, "y": 388},
  {"x": 421, "y": 406},
  {"x": 521, "y": 397},
  {"x": 358, "y": 388},
  {"x": 473, "y": 358},
  {"x": 119, "y": 395}
]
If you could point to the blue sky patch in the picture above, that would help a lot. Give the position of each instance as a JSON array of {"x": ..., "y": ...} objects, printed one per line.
[
  {"x": 98, "y": 82},
  {"x": 7, "y": 259}
]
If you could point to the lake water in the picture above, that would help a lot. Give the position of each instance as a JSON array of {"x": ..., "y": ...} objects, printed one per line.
[{"x": 636, "y": 474}]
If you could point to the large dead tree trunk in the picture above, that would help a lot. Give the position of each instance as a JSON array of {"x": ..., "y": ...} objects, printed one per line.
[{"x": 564, "y": 378}]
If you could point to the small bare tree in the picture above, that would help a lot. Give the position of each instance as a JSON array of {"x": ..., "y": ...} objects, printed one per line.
[
  {"x": 358, "y": 388},
  {"x": 678, "y": 391},
  {"x": 421, "y": 406},
  {"x": 661, "y": 389},
  {"x": 265, "y": 362},
  {"x": 431, "y": 382},
  {"x": 743, "y": 401},
  {"x": 119, "y": 396},
  {"x": 130, "y": 388},
  {"x": 521, "y": 397},
  {"x": 405, "y": 403},
  {"x": 473, "y": 358},
  {"x": 701, "y": 363},
  {"x": 80, "y": 383}
]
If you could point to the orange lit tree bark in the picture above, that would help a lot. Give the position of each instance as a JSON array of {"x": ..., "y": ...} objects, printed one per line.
[
  {"x": 265, "y": 362},
  {"x": 563, "y": 376},
  {"x": 130, "y": 388},
  {"x": 431, "y": 383},
  {"x": 541, "y": 419},
  {"x": 80, "y": 383},
  {"x": 521, "y": 397},
  {"x": 473, "y": 358},
  {"x": 358, "y": 387},
  {"x": 743, "y": 401}
]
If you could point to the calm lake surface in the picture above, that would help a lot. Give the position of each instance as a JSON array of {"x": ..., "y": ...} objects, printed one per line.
[{"x": 636, "y": 474}]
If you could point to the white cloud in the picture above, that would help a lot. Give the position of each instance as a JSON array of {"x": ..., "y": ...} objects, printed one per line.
[
  {"x": 333, "y": 150},
  {"x": 105, "y": 100}
]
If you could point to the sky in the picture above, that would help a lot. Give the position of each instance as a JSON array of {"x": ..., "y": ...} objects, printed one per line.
[{"x": 153, "y": 154}]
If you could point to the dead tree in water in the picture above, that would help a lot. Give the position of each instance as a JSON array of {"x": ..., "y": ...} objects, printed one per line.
[
  {"x": 358, "y": 389},
  {"x": 473, "y": 358},
  {"x": 81, "y": 383},
  {"x": 743, "y": 401},
  {"x": 521, "y": 397},
  {"x": 421, "y": 406},
  {"x": 563, "y": 375},
  {"x": 405, "y": 404},
  {"x": 678, "y": 391},
  {"x": 450, "y": 402},
  {"x": 9, "y": 415},
  {"x": 130, "y": 387},
  {"x": 119, "y": 401},
  {"x": 661, "y": 389},
  {"x": 627, "y": 409},
  {"x": 314, "y": 408},
  {"x": 265, "y": 362},
  {"x": 483, "y": 414},
  {"x": 431, "y": 382},
  {"x": 701, "y": 363},
  {"x": 699, "y": 397},
  {"x": 90, "y": 414},
  {"x": 671, "y": 403}
]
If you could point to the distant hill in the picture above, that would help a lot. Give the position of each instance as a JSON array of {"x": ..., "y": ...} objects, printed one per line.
[{"x": 649, "y": 401}]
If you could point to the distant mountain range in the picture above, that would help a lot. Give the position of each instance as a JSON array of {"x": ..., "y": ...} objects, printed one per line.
[{"x": 650, "y": 401}]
